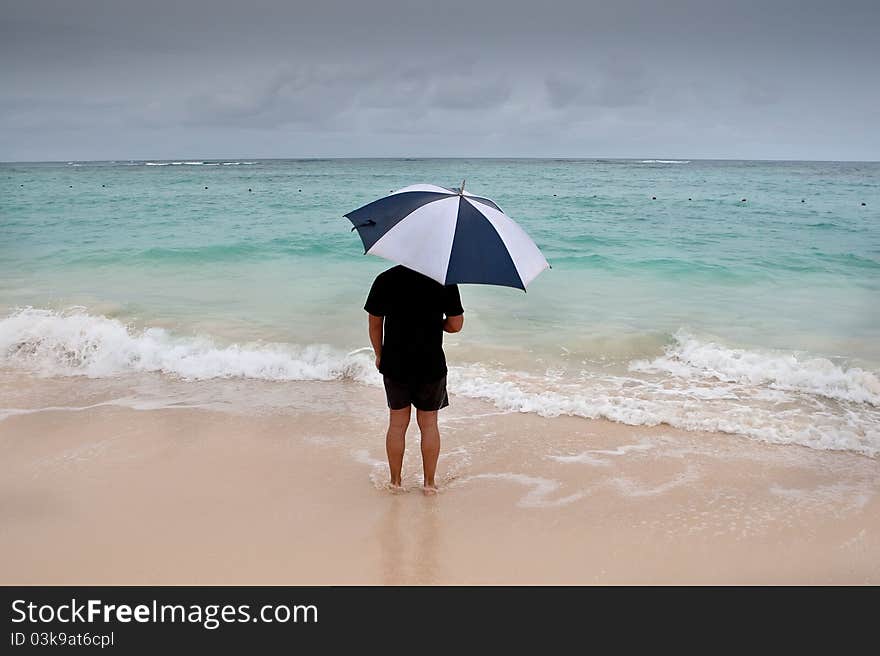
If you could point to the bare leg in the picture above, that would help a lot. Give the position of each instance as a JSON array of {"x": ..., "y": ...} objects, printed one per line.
[
  {"x": 430, "y": 446},
  {"x": 395, "y": 442}
]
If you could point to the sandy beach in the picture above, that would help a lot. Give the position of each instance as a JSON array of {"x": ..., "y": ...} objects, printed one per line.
[
  {"x": 97, "y": 491},
  {"x": 634, "y": 245}
]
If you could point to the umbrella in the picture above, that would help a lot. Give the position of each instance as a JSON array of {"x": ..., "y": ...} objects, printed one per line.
[{"x": 449, "y": 235}]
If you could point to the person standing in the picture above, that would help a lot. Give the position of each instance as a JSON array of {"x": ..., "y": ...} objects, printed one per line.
[{"x": 408, "y": 314}]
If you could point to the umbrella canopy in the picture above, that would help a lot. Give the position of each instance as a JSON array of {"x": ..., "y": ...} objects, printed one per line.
[{"x": 449, "y": 235}]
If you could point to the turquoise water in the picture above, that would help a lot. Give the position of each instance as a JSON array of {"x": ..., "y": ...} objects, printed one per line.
[{"x": 695, "y": 309}]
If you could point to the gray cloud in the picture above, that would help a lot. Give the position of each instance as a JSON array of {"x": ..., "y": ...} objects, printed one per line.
[
  {"x": 470, "y": 92},
  {"x": 311, "y": 95},
  {"x": 617, "y": 82},
  {"x": 200, "y": 78}
]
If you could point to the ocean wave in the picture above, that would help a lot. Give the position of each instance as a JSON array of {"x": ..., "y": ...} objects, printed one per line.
[
  {"x": 77, "y": 343},
  {"x": 696, "y": 384},
  {"x": 690, "y": 358},
  {"x": 198, "y": 163},
  {"x": 719, "y": 407},
  {"x": 665, "y": 161}
]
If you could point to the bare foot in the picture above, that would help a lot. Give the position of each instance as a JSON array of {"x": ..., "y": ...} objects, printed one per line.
[
  {"x": 429, "y": 490},
  {"x": 395, "y": 488}
]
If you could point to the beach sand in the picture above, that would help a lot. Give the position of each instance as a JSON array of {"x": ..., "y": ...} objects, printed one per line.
[{"x": 124, "y": 494}]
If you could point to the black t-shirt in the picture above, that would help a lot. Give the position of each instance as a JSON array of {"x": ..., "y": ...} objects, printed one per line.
[{"x": 414, "y": 307}]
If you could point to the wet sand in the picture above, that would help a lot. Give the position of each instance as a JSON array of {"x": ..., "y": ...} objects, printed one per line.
[{"x": 112, "y": 494}]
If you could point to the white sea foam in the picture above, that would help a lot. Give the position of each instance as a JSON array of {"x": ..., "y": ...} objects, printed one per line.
[
  {"x": 174, "y": 163},
  {"x": 695, "y": 385},
  {"x": 692, "y": 358},
  {"x": 633, "y": 488},
  {"x": 198, "y": 163},
  {"x": 541, "y": 492},
  {"x": 77, "y": 343},
  {"x": 131, "y": 402},
  {"x": 680, "y": 403},
  {"x": 665, "y": 161},
  {"x": 591, "y": 457}
]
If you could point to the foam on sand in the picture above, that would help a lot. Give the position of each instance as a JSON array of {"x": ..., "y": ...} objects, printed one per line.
[
  {"x": 542, "y": 491},
  {"x": 715, "y": 406}
]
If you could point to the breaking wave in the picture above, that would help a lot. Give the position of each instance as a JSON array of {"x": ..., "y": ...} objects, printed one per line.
[
  {"x": 74, "y": 343},
  {"x": 690, "y": 358},
  {"x": 197, "y": 163},
  {"x": 696, "y": 384}
]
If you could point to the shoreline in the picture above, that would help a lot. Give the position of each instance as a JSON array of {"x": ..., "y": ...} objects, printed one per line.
[{"x": 115, "y": 495}]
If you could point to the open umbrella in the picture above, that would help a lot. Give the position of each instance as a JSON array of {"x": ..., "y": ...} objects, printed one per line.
[{"x": 449, "y": 235}]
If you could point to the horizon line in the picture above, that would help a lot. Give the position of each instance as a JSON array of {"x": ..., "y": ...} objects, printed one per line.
[{"x": 443, "y": 157}]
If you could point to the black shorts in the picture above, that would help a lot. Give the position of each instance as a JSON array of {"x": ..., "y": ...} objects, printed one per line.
[{"x": 424, "y": 396}]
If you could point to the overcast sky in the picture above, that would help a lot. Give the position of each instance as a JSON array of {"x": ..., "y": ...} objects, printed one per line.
[{"x": 114, "y": 79}]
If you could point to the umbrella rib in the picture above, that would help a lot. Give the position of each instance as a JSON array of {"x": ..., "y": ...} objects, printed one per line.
[{"x": 368, "y": 222}]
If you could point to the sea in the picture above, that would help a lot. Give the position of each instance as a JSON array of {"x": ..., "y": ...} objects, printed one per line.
[{"x": 733, "y": 296}]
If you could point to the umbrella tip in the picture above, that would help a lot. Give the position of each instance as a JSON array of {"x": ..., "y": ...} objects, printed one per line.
[{"x": 461, "y": 189}]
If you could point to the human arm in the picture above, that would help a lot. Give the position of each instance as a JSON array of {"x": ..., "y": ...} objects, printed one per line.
[
  {"x": 376, "y": 330},
  {"x": 377, "y": 307},
  {"x": 453, "y": 310}
]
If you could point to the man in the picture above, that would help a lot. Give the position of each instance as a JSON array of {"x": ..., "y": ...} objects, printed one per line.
[{"x": 408, "y": 314}]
